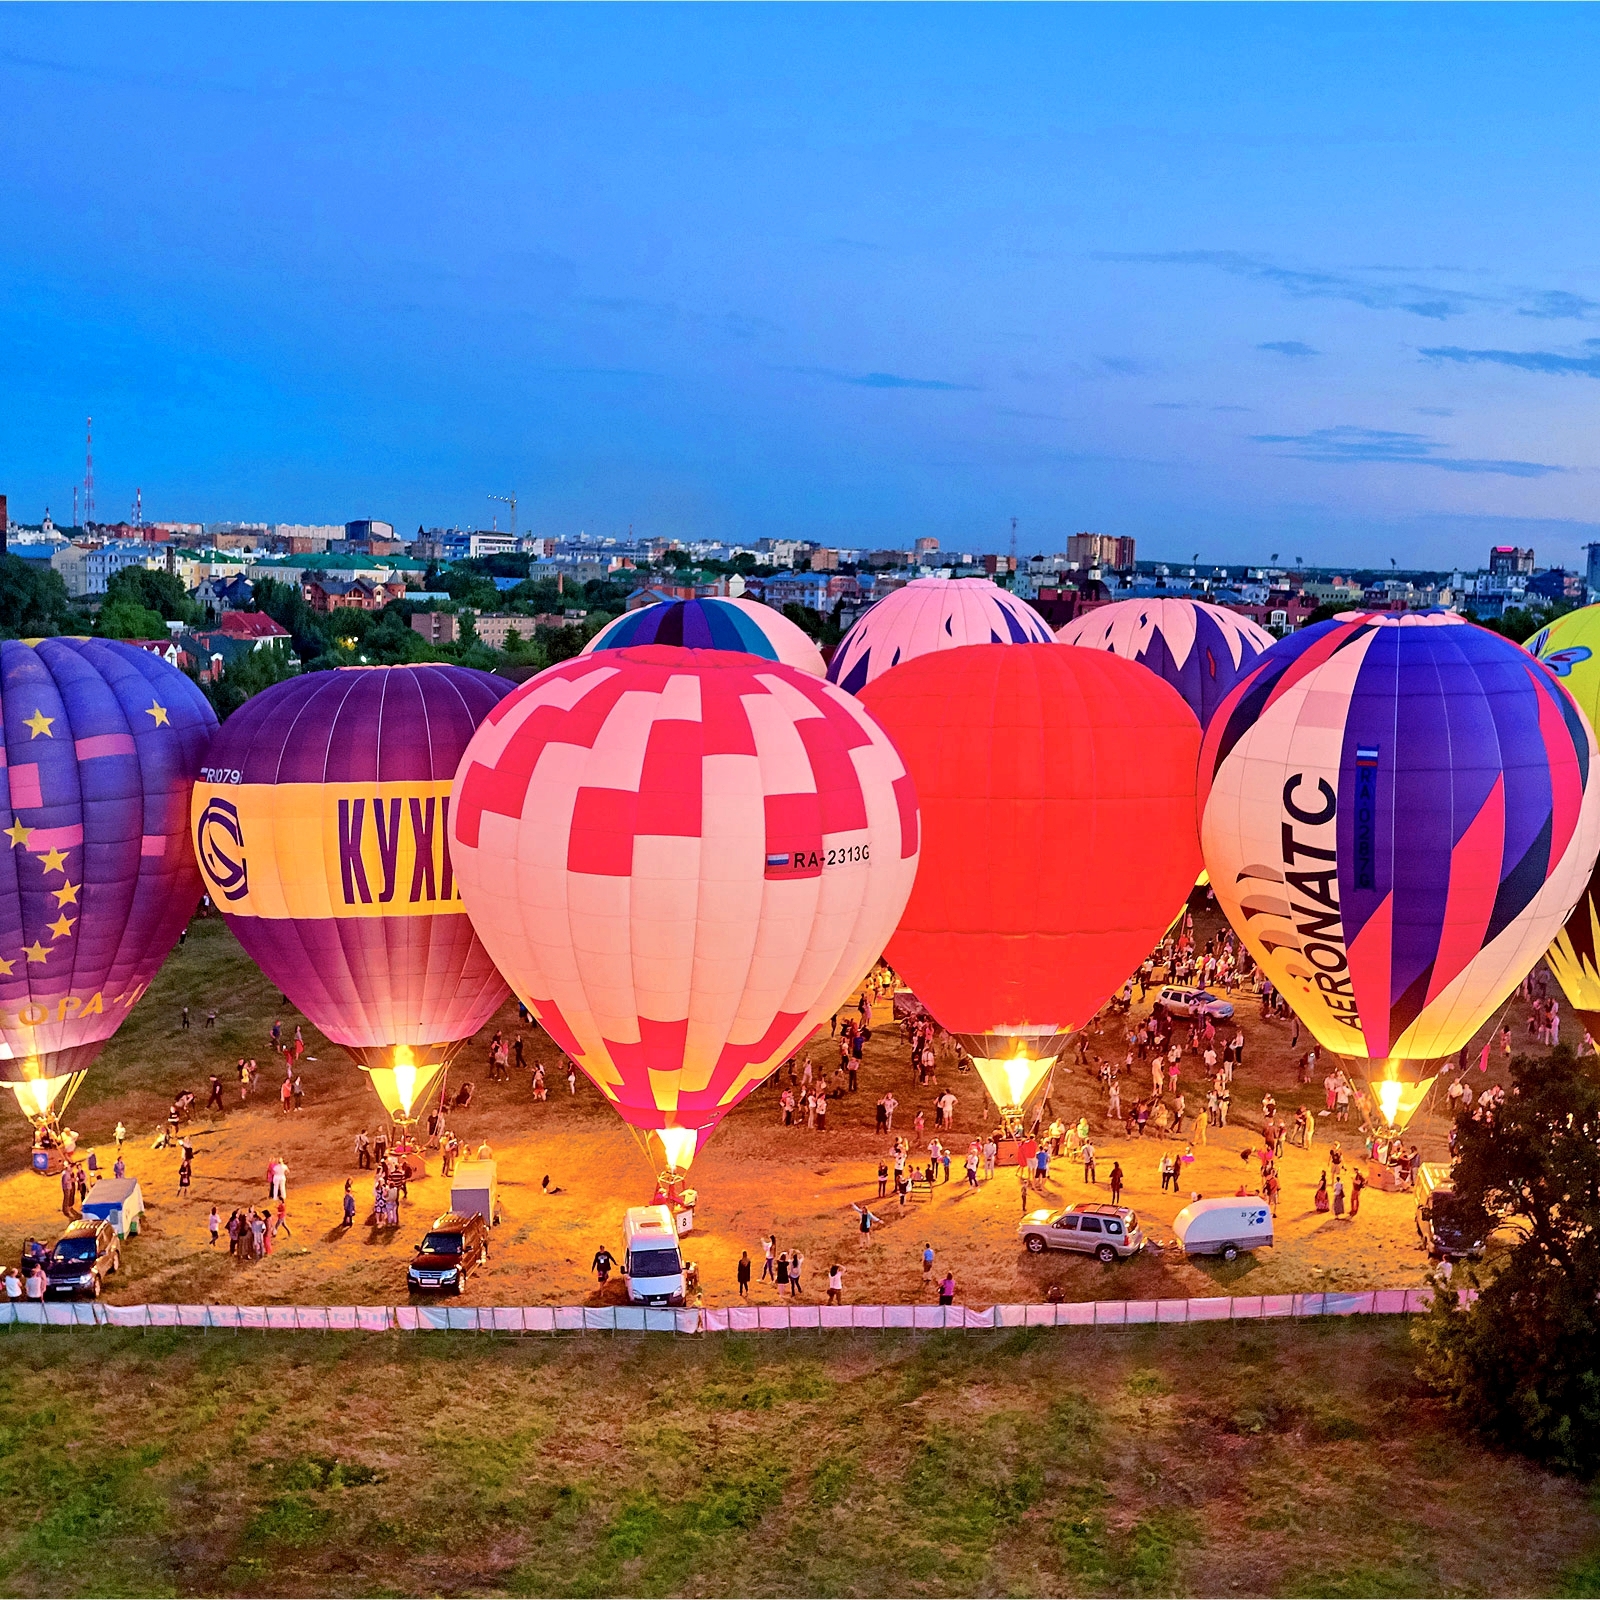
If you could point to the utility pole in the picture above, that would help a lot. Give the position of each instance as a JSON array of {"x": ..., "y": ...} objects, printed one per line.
[{"x": 509, "y": 500}]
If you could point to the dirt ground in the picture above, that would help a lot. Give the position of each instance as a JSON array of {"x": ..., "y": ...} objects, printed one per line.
[{"x": 755, "y": 1177}]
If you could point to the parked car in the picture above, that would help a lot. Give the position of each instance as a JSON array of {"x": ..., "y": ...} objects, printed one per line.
[
  {"x": 1446, "y": 1227},
  {"x": 455, "y": 1247},
  {"x": 84, "y": 1256},
  {"x": 1110, "y": 1233},
  {"x": 1195, "y": 1003}
]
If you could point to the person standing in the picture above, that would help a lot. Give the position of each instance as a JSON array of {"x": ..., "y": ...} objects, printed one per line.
[
  {"x": 186, "y": 1019},
  {"x": 769, "y": 1248},
  {"x": 1087, "y": 1152},
  {"x": 1338, "y": 1197},
  {"x": 867, "y": 1219},
  {"x": 991, "y": 1152},
  {"x": 214, "y": 1225},
  {"x": 216, "y": 1093},
  {"x": 1116, "y": 1183},
  {"x": 781, "y": 1282},
  {"x": 120, "y": 1135},
  {"x": 927, "y": 1264},
  {"x": 602, "y": 1265},
  {"x": 835, "y": 1285},
  {"x": 796, "y": 1261},
  {"x": 947, "y": 1289},
  {"x": 743, "y": 1274},
  {"x": 185, "y": 1174},
  {"x": 1357, "y": 1183},
  {"x": 349, "y": 1204},
  {"x": 1041, "y": 1166}
]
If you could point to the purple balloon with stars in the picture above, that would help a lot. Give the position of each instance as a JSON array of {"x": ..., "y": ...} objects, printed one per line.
[{"x": 101, "y": 742}]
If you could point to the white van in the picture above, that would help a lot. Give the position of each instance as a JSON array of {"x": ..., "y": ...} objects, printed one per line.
[
  {"x": 1224, "y": 1227},
  {"x": 652, "y": 1267}
]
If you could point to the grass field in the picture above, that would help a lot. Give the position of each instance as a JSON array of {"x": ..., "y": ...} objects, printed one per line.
[{"x": 1294, "y": 1460}]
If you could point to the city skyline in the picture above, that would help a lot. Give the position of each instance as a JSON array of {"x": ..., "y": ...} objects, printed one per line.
[{"x": 1252, "y": 282}]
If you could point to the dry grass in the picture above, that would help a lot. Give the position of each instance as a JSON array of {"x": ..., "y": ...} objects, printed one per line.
[{"x": 1224, "y": 1460}]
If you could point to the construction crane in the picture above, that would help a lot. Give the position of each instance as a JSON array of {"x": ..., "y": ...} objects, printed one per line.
[{"x": 509, "y": 500}]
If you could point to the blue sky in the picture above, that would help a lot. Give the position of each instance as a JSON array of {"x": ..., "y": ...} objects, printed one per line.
[{"x": 1315, "y": 281}]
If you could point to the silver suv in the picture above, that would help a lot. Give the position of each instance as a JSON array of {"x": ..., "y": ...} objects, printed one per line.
[{"x": 1109, "y": 1233}]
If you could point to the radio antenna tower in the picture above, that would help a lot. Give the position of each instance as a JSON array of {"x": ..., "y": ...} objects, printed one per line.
[
  {"x": 138, "y": 508},
  {"x": 88, "y": 471},
  {"x": 74, "y": 505}
]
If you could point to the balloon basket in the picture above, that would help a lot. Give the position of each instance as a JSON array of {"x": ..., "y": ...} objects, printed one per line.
[
  {"x": 673, "y": 1191},
  {"x": 403, "y": 1146}
]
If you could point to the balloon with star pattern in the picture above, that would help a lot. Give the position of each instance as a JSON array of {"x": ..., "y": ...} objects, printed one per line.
[{"x": 100, "y": 743}]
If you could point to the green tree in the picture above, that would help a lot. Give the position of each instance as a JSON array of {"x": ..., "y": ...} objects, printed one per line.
[
  {"x": 1522, "y": 1362},
  {"x": 125, "y": 618},
  {"x": 155, "y": 590},
  {"x": 468, "y": 588},
  {"x": 286, "y": 605},
  {"x": 1522, "y": 622},
  {"x": 246, "y": 675},
  {"x": 34, "y": 603}
]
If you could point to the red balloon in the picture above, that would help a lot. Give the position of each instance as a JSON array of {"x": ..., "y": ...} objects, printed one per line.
[{"x": 1059, "y": 832}]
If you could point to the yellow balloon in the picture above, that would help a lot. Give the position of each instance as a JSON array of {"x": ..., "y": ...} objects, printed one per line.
[{"x": 1570, "y": 647}]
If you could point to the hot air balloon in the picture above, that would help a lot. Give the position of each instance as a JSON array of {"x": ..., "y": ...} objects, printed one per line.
[
  {"x": 321, "y": 824},
  {"x": 1570, "y": 648},
  {"x": 931, "y": 614},
  {"x": 682, "y": 860},
  {"x": 713, "y": 624},
  {"x": 1199, "y": 649},
  {"x": 1056, "y": 789},
  {"x": 1398, "y": 812},
  {"x": 101, "y": 743}
]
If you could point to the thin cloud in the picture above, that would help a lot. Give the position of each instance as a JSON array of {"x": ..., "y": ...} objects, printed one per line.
[
  {"x": 893, "y": 380},
  {"x": 1546, "y": 361},
  {"x": 1352, "y": 446},
  {"x": 1378, "y": 289},
  {"x": 1554, "y": 304},
  {"x": 1288, "y": 347}
]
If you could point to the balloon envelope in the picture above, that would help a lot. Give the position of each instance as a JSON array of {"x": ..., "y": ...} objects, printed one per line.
[
  {"x": 101, "y": 740},
  {"x": 1570, "y": 648},
  {"x": 713, "y": 624},
  {"x": 1057, "y": 794},
  {"x": 1200, "y": 649},
  {"x": 321, "y": 824},
  {"x": 683, "y": 860},
  {"x": 927, "y": 615},
  {"x": 1398, "y": 812}
]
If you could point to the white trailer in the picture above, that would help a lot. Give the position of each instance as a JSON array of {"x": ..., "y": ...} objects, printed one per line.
[{"x": 1224, "y": 1227}]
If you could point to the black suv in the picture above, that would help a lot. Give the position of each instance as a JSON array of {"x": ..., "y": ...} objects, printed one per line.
[
  {"x": 454, "y": 1247},
  {"x": 83, "y": 1258}
]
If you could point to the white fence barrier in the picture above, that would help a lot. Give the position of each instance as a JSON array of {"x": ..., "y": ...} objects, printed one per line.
[{"x": 713, "y": 1319}]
